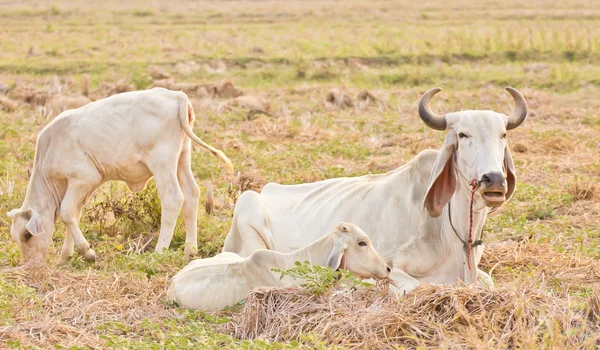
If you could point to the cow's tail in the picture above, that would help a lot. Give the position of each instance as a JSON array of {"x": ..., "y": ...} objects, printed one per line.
[{"x": 186, "y": 118}]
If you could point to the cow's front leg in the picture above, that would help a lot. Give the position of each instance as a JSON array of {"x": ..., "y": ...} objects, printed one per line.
[
  {"x": 70, "y": 209},
  {"x": 404, "y": 282},
  {"x": 69, "y": 245},
  {"x": 482, "y": 277},
  {"x": 67, "y": 249}
]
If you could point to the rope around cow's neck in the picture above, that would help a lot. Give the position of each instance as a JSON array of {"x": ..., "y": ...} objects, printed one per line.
[{"x": 469, "y": 244}]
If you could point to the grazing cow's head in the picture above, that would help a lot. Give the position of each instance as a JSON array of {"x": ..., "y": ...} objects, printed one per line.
[
  {"x": 475, "y": 148},
  {"x": 28, "y": 231},
  {"x": 353, "y": 251}
]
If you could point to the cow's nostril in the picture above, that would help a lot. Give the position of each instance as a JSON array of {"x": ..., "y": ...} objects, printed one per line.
[
  {"x": 493, "y": 179},
  {"x": 485, "y": 179},
  {"x": 389, "y": 269}
]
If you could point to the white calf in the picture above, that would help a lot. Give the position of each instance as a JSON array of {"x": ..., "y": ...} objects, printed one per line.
[
  {"x": 128, "y": 137},
  {"x": 213, "y": 283}
]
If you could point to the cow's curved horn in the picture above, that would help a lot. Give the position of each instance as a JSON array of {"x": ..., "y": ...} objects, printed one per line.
[
  {"x": 434, "y": 121},
  {"x": 520, "y": 112}
]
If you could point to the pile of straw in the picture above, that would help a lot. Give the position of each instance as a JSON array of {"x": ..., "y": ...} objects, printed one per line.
[
  {"x": 430, "y": 316},
  {"x": 73, "y": 306},
  {"x": 517, "y": 315}
]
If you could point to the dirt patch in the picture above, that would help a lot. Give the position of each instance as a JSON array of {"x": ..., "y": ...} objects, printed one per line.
[
  {"x": 7, "y": 104},
  {"x": 584, "y": 190},
  {"x": 338, "y": 98},
  {"x": 222, "y": 89},
  {"x": 107, "y": 89}
]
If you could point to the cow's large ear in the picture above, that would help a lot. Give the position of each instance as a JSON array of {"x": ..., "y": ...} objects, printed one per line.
[
  {"x": 442, "y": 180},
  {"x": 337, "y": 254},
  {"x": 511, "y": 178}
]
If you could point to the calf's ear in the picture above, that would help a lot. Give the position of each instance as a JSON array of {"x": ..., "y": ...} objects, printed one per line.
[
  {"x": 34, "y": 225},
  {"x": 442, "y": 180},
  {"x": 337, "y": 254},
  {"x": 11, "y": 214}
]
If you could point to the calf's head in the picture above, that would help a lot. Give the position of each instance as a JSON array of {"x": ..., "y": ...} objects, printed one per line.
[
  {"x": 28, "y": 230},
  {"x": 353, "y": 251},
  {"x": 476, "y": 148}
]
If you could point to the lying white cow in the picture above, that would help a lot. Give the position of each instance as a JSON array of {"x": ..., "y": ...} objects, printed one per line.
[
  {"x": 129, "y": 137},
  {"x": 420, "y": 245},
  {"x": 213, "y": 283}
]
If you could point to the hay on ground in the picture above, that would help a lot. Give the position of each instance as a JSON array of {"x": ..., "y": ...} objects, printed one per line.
[
  {"x": 506, "y": 259},
  {"x": 511, "y": 315},
  {"x": 157, "y": 73},
  {"x": 222, "y": 89},
  {"x": 107, "y": 89},
  {"x": 74, "y": 305},
  {"x": 430, "y": 316},
  {"x": 226, "y": 89},
  {"x": 191, "y": 89},
  {"x": 249, "y": 102},
  {"x": 366, "y": 96},
  {"x": 59, "y": 103},
  {"x": 339, "y": 99},
  {"x": 7, "y": 104}
]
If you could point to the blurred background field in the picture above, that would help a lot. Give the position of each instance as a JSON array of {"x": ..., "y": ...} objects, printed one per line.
[{"x": 329, "y": 89}]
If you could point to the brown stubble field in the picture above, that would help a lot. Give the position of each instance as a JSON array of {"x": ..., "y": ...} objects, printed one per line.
[{"x": 290, "y": 58}]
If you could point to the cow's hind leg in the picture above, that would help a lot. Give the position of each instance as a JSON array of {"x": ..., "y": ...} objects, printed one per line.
[
  {"x": 191, "y": 195},
  {"x": 249, "y": 230},
  {"x": 70, "y": 209},
  {"x": 164, "y": 168}
]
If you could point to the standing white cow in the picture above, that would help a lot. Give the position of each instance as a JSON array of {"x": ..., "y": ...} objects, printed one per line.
[
  {"x": 128, "y": 137},
  {"x": 430, "y": 246}
]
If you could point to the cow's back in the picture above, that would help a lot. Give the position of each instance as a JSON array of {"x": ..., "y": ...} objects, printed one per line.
[
  {"x": 115, "y": 134},
  {"x": 386, "y": 206}
]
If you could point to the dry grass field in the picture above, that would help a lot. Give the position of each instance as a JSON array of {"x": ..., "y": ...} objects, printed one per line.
[{"x": 330, "y": 89}]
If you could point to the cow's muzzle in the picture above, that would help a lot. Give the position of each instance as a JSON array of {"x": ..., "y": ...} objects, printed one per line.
[{"x": 493, "y": 189}]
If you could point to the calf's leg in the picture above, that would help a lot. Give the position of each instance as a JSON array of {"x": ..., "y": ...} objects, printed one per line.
[
  {"x": 164, "y": 168},
  {"x": 67, "y": 249},
  {"x": 191, "y": 195},
  {"x": 70, "y": 209},
  {"x": 69, "y": 245}
]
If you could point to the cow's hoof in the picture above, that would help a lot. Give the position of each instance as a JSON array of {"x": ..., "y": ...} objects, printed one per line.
[
  {"x": 63, "y": 261},
  {"x": 190, "y": 252},
  {"x": 90, "y": 255}
]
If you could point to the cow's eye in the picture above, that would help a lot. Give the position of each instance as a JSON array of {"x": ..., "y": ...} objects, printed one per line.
[
  {"x": 362, "y": 243},
  {"x": 27, "y": 236},
  {"x": 462, "y": 135},
  {"x": 504, "y": 135}
]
